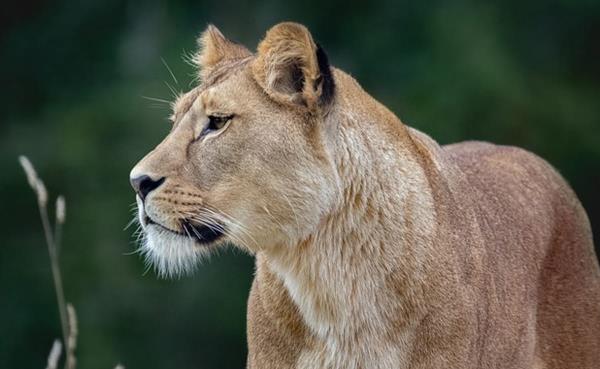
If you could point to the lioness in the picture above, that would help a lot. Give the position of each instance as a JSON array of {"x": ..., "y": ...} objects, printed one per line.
[{"x": 375, "y": 247}]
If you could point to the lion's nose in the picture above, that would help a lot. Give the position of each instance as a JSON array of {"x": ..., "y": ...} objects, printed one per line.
[{"x": 143, "y": 185}]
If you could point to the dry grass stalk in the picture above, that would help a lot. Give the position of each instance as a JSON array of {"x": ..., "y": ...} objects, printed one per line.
[
  {"x": 68, "y": 317},
  {"x": 61, "y": 210},
  {"x": 30, "y": 172},
  {"x": 60, "y": 216},
  {"x": 42, "y": 195},
  {"x": 72, "y": 340},
  {"x": 54, "y": 355}
]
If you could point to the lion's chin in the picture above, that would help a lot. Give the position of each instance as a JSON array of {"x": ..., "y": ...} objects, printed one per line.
[{"x": 171, "y": 254}]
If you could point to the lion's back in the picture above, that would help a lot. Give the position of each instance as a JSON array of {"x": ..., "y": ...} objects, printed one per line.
[
  {"x": 519, "y": 198},
  {"x": 539, "y": 250}
]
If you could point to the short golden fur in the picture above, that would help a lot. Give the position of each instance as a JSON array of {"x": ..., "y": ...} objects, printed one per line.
[{"x": 375, "y": 247}]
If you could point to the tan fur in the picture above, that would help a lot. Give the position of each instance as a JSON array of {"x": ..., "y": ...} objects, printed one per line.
[
  {"x": 287, "y": 45},
  {"x": 375, "y": 247},
  {"x": 216, "y": 49}
]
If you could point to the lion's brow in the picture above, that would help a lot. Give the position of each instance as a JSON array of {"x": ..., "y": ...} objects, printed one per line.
[
  {"x": 184, "y": 103},
  {"x": 223, "y": 70}
]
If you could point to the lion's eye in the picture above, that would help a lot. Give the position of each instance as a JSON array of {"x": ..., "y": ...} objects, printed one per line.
[{"x": 216, "y": 122}]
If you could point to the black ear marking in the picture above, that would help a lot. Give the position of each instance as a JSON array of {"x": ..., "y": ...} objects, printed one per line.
[
  {"x": 297, "y": 79},
  {"x": 326, "y": 78}
]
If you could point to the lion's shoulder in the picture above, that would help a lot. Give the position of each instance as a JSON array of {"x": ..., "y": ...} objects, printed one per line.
[{"x": 492, "y": 165}]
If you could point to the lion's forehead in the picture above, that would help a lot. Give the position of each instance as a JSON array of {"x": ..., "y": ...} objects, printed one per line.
[{"x": 208, "y": 95}]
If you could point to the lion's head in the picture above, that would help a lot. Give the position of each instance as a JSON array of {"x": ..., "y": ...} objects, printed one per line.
[{"x": 249, "y": 159}]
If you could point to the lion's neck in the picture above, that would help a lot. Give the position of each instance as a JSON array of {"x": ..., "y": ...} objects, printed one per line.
[{"x": 359, "y": 271}]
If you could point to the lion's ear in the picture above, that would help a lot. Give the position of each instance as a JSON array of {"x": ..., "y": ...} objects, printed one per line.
[
  {"x": 292, "y": 69},
  {"x": 215, "y": 48}
]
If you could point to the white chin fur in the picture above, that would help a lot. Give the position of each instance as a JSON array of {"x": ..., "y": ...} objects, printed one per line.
[{"x": 170, "y": 254}]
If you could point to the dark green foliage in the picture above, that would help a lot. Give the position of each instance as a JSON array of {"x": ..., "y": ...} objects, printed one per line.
[{"x": 73, "y": 77}]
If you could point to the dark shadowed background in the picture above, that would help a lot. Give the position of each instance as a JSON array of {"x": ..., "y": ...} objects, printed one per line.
[{"x": 73, "y": 77}]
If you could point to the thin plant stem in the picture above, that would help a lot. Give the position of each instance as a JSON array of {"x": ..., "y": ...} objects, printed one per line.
[
  {"x": 58, "y": 287},
  {"x": 68, "y": 327},
  {"x": 60, "y": 214},
  {"x": 72, "y": 340},
  {"x": 57, "y": 237},
  {"x": 54, "y": 355}
]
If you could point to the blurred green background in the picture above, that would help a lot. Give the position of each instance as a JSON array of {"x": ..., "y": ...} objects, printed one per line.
[{"x": 514, "y": 72}]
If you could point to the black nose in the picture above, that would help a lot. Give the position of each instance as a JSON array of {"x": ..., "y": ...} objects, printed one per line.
[{"x": 143, "y": 185}]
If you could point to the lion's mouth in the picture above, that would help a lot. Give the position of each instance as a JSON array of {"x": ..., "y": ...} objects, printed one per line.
[{"x": 203, "y": 234}]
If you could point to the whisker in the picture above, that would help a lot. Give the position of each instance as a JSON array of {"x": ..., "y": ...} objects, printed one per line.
[
  {"x": 188, "y": 58},
  {"x": 160, "y": 107},
  {"x": 175, "y": 94},
  {"x": 208, "y": 213},
  {"x": 132, "y": 221},
  {"x": 185, "y": 229},
  {"x": 147, "y": 269},
  {"x": 170, "y": 71},
  {"x": 137, "y": 251},
  {"x": 224, "y": 217},
  {"x": 219, "y": 217},
  {"x": 230, "y": 217},
  {"x": 187, "y": 232},
  {"x": 156, "y": 99},
  {"x": 204, "y": 218}
]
